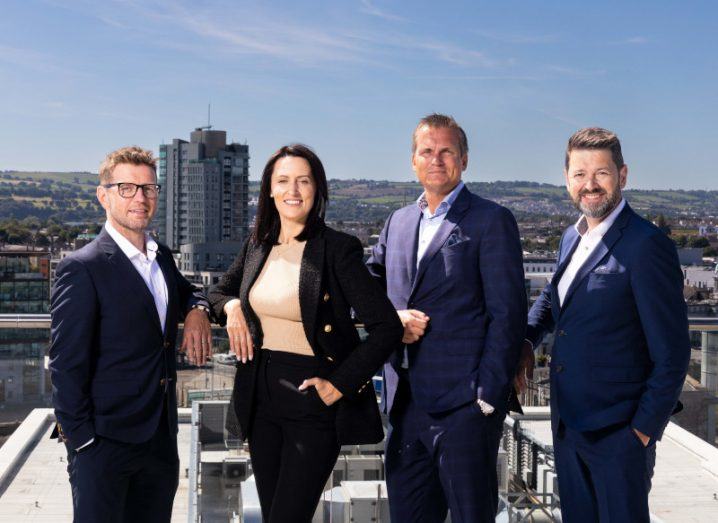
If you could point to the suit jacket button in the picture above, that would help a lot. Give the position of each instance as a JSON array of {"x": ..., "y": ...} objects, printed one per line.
[
  {"x": 167, "y": 344},
  {"x": 329, "y": 358},
  {"x": 562, "y": 333},
  {"x": 327, "y": 328},
  {"x": 559, "y": 368},
  {"x": 326, "y": 297},
  {"x": 162, "y": 382}
]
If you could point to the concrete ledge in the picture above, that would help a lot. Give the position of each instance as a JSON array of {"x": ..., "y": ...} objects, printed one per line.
[
  {"x": 21, "y": 443},
  {"x": 707, "y": 453}
]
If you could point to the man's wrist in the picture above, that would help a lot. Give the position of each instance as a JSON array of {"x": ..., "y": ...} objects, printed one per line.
[{"x": 200, "y": 307}]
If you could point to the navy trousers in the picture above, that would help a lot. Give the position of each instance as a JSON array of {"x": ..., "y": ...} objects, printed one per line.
[
  {"x": 118, "y": 482},
  {"x": 436, "y": 463},
  {"x": 604, "y": 475}
]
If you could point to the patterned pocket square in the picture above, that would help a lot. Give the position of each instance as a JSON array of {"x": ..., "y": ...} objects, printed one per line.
[
  {"x": 607, "y": 269},
  {"x": 454, "y": 239}
]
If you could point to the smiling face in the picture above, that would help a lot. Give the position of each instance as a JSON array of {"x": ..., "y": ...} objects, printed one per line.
[
  {"x": 293, "y": 189},
  {"x": 438, "y": 161},
  {"x": 130, "y": 216},
  {"x": 594, "y": 182}
]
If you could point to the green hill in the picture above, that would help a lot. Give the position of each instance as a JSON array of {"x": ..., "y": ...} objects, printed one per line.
[{"x": 71, "y": 197}]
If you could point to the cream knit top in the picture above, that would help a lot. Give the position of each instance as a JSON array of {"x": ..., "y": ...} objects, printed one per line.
[{"x": 274, "y": 297}]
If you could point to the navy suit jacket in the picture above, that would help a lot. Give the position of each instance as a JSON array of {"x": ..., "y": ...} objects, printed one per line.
[
  {"x": 470, "y": 283},
  {"x": 621, "y": 349},
  {"x": 110, "y": 361}
]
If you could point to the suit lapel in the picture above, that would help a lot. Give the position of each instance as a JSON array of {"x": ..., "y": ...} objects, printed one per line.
[
  {"x": 310, "y": 284},
  {"x": 407, "y": 242},
  {"x": 451, "y": 220},
  {"x": 604, "y": 246},
  {"x": 131, "y": 279},
  {"x": 163, "y": 260}
]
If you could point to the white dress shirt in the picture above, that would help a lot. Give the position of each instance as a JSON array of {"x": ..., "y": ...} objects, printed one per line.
[
  {"x": 149, "y": 270},
  {"x": 587, "y": 244}
]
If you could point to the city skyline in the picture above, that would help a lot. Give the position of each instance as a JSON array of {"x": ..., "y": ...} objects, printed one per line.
[{"x": 352, "y": 78}]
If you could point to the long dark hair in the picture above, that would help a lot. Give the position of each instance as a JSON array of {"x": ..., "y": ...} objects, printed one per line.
[{"x": 267, "y": 224}]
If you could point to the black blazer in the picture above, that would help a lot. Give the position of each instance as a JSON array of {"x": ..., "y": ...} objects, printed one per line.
[
  {"x": 110, "y": 360},
  {"x": 332, "y": 280}
]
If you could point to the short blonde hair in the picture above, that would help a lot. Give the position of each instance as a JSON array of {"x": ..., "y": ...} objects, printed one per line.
[
  {"x": 133, "y": 155},
  {"x": 442, "y": 121}
]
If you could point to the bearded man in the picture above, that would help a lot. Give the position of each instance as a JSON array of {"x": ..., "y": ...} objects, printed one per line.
[{"x": 621, "y": 349}]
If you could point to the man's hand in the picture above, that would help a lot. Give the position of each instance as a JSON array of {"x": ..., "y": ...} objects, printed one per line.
[
  {"x": 327, "y": 392},
  {"x": 197, "y": 338},
  {"x": 525, "y": 372},
  {"x": 644, "y": 439},
  {"x": 414, "y": 323},
  {"x": 240, "y": 339}
]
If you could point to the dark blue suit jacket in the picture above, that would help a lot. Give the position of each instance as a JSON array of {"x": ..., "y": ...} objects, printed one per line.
[
  {"x": 470, "y": 283},
  {"x": 108, "y": 353},
  {"x": 621, "y": 349}
]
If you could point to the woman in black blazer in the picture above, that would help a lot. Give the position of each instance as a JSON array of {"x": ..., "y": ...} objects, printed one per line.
[{"x": 298, "y": 403}]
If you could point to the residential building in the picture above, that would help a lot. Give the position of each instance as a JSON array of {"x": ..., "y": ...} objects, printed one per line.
[{"x": 205, "y": 190}]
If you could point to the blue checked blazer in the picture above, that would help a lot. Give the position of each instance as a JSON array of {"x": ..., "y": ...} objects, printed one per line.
[{"x": 470, "y": 282}]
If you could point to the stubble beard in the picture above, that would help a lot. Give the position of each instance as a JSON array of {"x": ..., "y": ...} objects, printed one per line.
[{"x": 130, "y": 224}]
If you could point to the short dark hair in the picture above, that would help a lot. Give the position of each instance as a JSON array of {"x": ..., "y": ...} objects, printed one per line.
[
  {"x": 267, "y": 223},
  {"x": 596, "y": 138},
  {"x": 439, "y": 121}
]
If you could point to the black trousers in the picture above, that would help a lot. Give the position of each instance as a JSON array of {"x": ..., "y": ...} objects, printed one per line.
[
  {"x": 292, "y": 442},
  {"x": 115, "y": 482}
]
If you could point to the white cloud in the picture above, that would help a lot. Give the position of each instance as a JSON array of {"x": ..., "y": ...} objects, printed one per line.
[
  {"x": 513, "y": 38},
  {"x": 231, "y": 28},
  {"x": 638, "y": 40},
  {"x": 368, "y": 7},
  {"x": 575, "y": 72}
]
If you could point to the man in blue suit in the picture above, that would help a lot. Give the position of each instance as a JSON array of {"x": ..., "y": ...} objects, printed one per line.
[
  {"x": 621, "y": 349},
  {"x": 115, "y": 307},
  {"x": 452, "y": 267}
]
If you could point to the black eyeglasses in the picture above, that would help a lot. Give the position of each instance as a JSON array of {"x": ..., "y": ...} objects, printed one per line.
[{"x": 128, "y": 190}]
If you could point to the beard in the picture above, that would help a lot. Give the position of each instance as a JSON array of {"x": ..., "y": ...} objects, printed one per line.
[{"x": 600, "y": 209}]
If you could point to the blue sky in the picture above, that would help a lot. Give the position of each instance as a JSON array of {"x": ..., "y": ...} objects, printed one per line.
[{"x": 351, "y": 78}]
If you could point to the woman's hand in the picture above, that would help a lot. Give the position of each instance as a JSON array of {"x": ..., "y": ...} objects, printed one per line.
[
  {"x": 327, "y": 392},
  {"x": 240, "y": 339}
]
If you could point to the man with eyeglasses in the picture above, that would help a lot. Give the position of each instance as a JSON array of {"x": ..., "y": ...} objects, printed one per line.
[{"x": 115, "y": 307}]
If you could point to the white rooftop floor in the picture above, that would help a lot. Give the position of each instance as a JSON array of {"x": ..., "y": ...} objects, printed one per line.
[
  {"x": 685, "y": 481},
  {"x": 684, "y": 486},
  {"x": 40, "y": 491}
]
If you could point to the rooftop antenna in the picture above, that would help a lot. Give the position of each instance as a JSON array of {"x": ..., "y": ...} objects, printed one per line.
[{"x": 209, "y": 125}]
